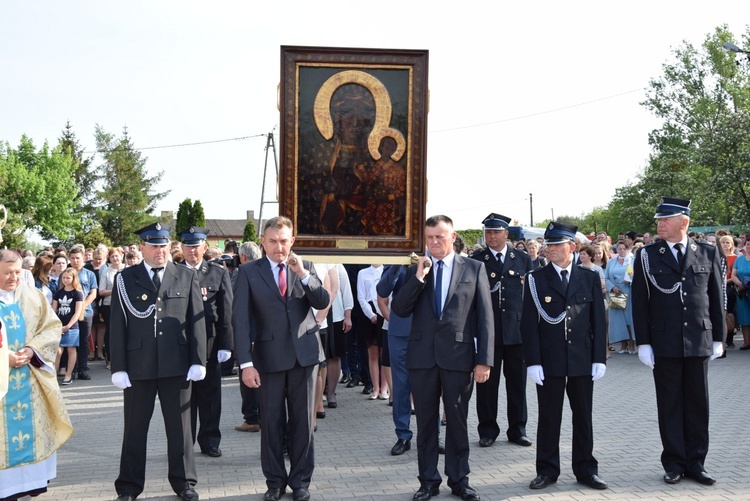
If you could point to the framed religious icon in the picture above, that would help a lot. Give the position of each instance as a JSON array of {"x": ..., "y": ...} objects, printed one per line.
[{"x": 353, "y": 151}]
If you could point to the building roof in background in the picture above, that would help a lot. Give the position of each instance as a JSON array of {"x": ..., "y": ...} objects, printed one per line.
[{"x": 226, "y": 228}]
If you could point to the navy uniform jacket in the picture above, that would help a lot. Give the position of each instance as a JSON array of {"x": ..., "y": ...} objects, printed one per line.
[
  {"x": 285, "y": 333},
  {"x": 167, "y": 341},
  {"x": 688, "y": 321},
  {"x": 507, "y": 301},
  {"x": 466, "y": 319},
  {"x": 216, "y": 293},
  {"x": 579, "y": 340}
]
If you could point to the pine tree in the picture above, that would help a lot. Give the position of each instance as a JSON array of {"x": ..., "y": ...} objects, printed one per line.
[{"x": 127, "y": 196}]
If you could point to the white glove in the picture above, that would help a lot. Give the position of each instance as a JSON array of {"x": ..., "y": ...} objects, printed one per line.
[
  {"x": 196, "y": 373},
  {"x": 597, "y": 371},
  {"x": 121, "y": 380},
  {"x": 536, "y": 374},
  {"x": 223, "y": 356},
  {"x": 718, "y": 350},
  {"x": 646, "y": 355}
]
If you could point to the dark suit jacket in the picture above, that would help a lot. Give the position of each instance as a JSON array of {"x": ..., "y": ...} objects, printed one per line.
[
  {"x": 448, "y": 341},
  {"x": 285, "y": 333},
  {"x": 165, "y": 346},
  {"x": 507, "y": 302},
  {"x": 216, "y": 293},
  {"x": 571, "y": 346},
  {"x": 674, "y": 325}
]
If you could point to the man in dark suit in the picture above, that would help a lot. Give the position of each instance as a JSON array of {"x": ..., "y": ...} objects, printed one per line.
[
  {"x": 281, "y": 355},
  {"x": 505, "y": 268},
  {"x": 158, "y": 346},
  {"x": 678, "y": 317},
  {"x": 216, "y": 293},
  {"x": 564, "y": 343},
  {"x": 451, "y": 345}
]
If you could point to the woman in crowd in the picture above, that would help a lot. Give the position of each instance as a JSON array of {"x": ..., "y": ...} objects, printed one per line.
[
  {"x": 521, "y": 245},
  {"x": 601, "y": 254},
  {"x": 740, "y": 274},
  {"x": 726, "y": 244},
  {"x": 537, "y": 261},
  {"x": 40, "y": 271},
  {"x": 99, "y": 267},
  {"x": 59, "y": 263},
  {"x": 116, "y": 264},
  {"x": 68, "y": 304},
  {"x": 586, "y": 253},
  {"x": 619, "y": 275}
]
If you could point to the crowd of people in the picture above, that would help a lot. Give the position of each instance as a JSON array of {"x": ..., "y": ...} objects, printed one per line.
[{"x": 387, "y": 329}]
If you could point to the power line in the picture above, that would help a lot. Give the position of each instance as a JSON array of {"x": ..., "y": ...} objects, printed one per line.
[
  {"x": 521, "y": 117},
  {"x": 243, "y": 138}
]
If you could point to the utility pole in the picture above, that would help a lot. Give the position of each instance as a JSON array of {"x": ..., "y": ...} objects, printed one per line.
[
  {"x": 531, "y": 209},
  {"x": 270, "y": 145}
]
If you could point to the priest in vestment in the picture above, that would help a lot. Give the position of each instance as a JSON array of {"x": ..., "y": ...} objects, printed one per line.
[{"x": 33, "y": 419}]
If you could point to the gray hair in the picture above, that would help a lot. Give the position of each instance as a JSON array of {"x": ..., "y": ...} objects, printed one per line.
[
  {"x": 9, "y": 256},
  {"x": 250, "y": 250}
]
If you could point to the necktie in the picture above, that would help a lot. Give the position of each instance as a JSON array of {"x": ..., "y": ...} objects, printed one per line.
[
  {"x": 500, "y": 257},
  {"x": 155, "y": 278},
  {"x": 564, "y": 275},
  {"x": 282, "y": 281},
  {"x": 439, "y": 289},
  {"x": 680, "y": 255}
]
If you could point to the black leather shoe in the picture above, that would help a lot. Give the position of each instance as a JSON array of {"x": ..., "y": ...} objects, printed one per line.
[
  {"x": 367, "y": 390},
  {"x": 214, "y": 452},
  {"x": 594, "y": 482},
  {"x": 345, "y": 379},
  {"x": 400, "y": 447},
  {"x": 541, "y": 481},
  {"x": 83, "y": 376},
  {"x": 333, "y": 405},
  {"x": 125, "y": 497},
  {"x": 273, "y": 494},
  {"x": 441, "y": 448},
  {"x": 671, "y": 477},
  {"x": 486, "y": 441},
  {"x": 426, "y": 492},
  {"x": 701, "y": 477},
  {"x": 353, "y": 382},
  {"x": 301, "y": 494},
  {"x": 466, "y": 493},
  {"x": 523, "y": 440},
  {"x": 189, "y": 494}
]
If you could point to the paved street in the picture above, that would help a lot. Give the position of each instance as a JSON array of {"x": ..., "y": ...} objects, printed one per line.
[{"x": 353, "y": 442}]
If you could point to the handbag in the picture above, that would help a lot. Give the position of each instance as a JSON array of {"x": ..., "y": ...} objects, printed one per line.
[{"x": 618, "y": 301}]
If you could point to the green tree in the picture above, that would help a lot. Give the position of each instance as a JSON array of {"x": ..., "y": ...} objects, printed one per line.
[
  {"x": 38, "y": 190},
  {"x": 85, "y": 177},
  {"x": 127, "y": 195},
  {"x": 700, "y": 150},
  {"x": 471, "y": 236},
  {"x": 189, "y": 214},
  {"x": 249, "y": 234}
]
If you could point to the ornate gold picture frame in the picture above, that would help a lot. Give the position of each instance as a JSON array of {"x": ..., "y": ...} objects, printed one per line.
[{"x": 353, "y": 143}]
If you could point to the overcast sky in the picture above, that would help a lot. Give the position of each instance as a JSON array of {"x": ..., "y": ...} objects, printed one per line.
[{"x": 525, "y": 97}]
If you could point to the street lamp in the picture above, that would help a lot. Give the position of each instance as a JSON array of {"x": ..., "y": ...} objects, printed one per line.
[{"x": 730, "y": 47}]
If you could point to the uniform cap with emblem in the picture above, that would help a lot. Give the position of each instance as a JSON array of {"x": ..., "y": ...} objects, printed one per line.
[
  {"x": 669, "y": 207},
  {"x": 558, "y": 232},
  {"x": 154, "y": 234},
  {"x": 193, "y": 236},
  {"x": 496, "y": 222}
]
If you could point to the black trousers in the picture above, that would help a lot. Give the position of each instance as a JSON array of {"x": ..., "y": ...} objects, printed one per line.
[
  {"x": 456, "y": 389},
  {"x": 289, "y": 393},
  {"x": 510, "y": 359},
  {"x": 174, "y": 396},
  {"x": 205, "y": 406},
  {"x": 682, "y": 407},
  {"x": 550, "y": 397}
]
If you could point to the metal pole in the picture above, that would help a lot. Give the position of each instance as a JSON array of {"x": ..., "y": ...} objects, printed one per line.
[
  {"x": 269, "y": 144},
  {"x": 531, "y": 209}
]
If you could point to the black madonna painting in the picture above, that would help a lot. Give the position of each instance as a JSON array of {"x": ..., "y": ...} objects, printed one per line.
[{"x": 353, "y": 148}]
